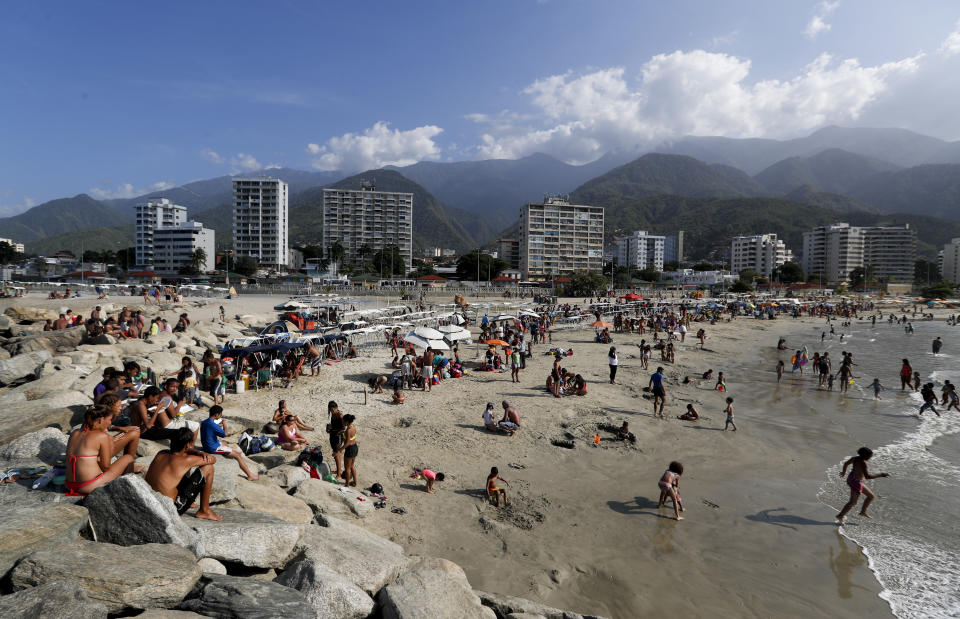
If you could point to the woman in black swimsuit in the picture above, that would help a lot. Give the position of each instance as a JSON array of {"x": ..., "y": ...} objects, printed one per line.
[
  {"x": 350, "y": 451},
  {"x": 335, "y": 430}
]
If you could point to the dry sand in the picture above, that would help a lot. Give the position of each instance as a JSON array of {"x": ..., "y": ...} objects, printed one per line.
[{"x": 583, "y": 531}]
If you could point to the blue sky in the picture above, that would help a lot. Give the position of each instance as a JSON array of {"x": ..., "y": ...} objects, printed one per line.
[{"x": 117, "y": 98}]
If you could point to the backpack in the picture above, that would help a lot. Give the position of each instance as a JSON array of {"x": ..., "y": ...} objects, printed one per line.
[{"x": 255, "y": 444}]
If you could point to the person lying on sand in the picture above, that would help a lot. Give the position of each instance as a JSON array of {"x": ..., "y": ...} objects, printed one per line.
[
  {"x": 493, "y": 491},
  {"x": 169, "y": 474}
]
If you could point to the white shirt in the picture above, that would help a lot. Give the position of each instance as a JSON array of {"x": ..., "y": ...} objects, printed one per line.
[
  {"x": 614, "y": 360},
  {"x": 487, "y": 417}
]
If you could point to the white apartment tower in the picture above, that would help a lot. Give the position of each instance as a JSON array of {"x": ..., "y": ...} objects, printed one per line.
[
  {"x": 153, "y": 214},
  {"x": 887, "y": 252},
  {"x": 762, "y": 253},
  {"x": 366, "y": 221},
  {"x": 950, "y": 265},
  {"x": 641, "y": 250},
  {"x": 559, "y": 238},
  {"x": 173, "y": 247},
  {"x": 260, "y": 220}
]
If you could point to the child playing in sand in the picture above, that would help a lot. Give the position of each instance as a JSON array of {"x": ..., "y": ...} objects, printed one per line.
[
  {"x": 858, "y": 474},
  {"x": 669, "y": 488},
  {"x": 428, "y": 475},
  {"x": 493, "y": 491},
  {"x": 877, "y": 388},
  {"x": 692, "y": 414},
  {"x": 624, "y": 433},
  {"x": 721, "y": 385},
  {"x": 729, "y": 411},
  {"x": 399, "y": 397}
]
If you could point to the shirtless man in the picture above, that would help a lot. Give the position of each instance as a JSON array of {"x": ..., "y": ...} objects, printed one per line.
[
  {"x": 427, "y": 369},
  {"x": 214, "y": 371},
  {"x": 858, "y": 475},
  {"x": 511, "y": 418},
  {"x": 171, "y": 468}
]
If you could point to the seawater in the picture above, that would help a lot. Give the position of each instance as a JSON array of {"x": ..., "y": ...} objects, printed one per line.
[{"x": 913, "y": 540}]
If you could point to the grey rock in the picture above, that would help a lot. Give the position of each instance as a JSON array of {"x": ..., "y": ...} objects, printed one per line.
[
  {"x": 25, "y": 528},
  {"x": 263, "y": 496},
  {"x": 62, "y": 410},
  {"x": 432, "y": 588},
  {"x": 103, "y": 339},
  {"x": 234, "y": 597},
  {"x": 523, "y": 616},
  {"x": 52, "y": 383},
  {"x": 46, "y": 445},
  {"x": 127, "y": 511},
  {"x": 5, "y": 322},
  {"x": 161, "y": 613},
  {"x": 250, "y": 538},
  {"x": 22, "y": 366},
  {"x": 506, "y": 605},
  {"x": 83, "y": 357},
  {"x": 50, "y": 341},
  {"x": 288, "y": 476},
  {"x": 332, "y": 595},
  {"x": 64, "y": 600},
  {"x": 4, "y": 353},
  {"x": 148, "y": 449},
  {"x": 225, "y": 472},
  {"x": 211, "y": 566},
  {"x": 363, "y": 558},
  {"x": 19, "y": 312},
  {"x": 269, "y": 459},
  {"x": 333, "y": 500},
  {"x": 121, "y": 577}
]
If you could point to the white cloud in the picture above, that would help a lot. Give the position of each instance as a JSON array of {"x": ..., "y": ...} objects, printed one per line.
[
  {"x": 9, "y": 210},
  {"x": 688, "y": 93},
  {"x": 127, "y": 190},
  {"x": 951, "y": 45},
  {"x": 376, "y": 147},
  {"x": 724, "y": 40},
  {"x": 818, "y": 24},
  {"x": 211, "y": 156},
  {"x": 245, "y": 162}
]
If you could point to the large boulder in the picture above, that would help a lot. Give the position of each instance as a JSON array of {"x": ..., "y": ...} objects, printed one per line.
[
  {"x": 121, "y": 577},
  {"x": 507, "y": 605},
  {"x": 365, "y": 559},
  {"x": 225, "y": 475},
  {"x": 269, "y": 459},
  {"x": 127, "y": 511},
  {"x": 64, "y": 600},
  {"x": 22, "y": 366},
  {"x": 163, "y": 613},
  {"x": 5, "y": 322},
  {"x": 262, "y": 496},
  {"x": 25, "y": 528},
  {"x": 247, "y": 537},
  {"x": 211, "y": 566},
  {"x": 432, "y": 588},
  {"x": 333, "y": 500},
  {"x": 19, "y": 312},
  {"x": 104, "y": 339},
  {"x": 47, "y": 445},
  {"x": 230, "y": 596},
  {"x": 51, "y": 341},
  {"x": 52, "y": 383},
  {"x": 332, "y": 595},
  {"x": 62, "y": 410},
  {"x": 288, "y": 476}
]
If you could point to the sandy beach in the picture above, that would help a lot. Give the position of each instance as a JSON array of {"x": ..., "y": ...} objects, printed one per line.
[{"x": 583, "y": 531}]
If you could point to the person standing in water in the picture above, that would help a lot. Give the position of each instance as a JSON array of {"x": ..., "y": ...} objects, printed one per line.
[
  {"x": 937, "y": 345},
  {"x": 780, "y": 368},
  {"x": 858, "y": 474}
]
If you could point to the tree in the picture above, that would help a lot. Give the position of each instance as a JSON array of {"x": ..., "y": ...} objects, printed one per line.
[
  {"x": 857, "y": 277},
  {"x": 246, "y": 265},
  {"x": 198, "y": 259},
  {"x": 702, "y": 266},
  {"x": 649, "y": 274},
  {"x": 672, "y": 265},
  {"x": 741, "y": 286},
  {"x": 422, "y": 268},
  {"x": 585, "y": 283},
  {"x": 127, "y": 258},
  {"x": 311, "y": 251},
  {"x": 749, "y": 275},
  {"x": 490, "y": 267},
  {"x": 335, "y": 253},
  {"x": 389, "y": 262},
  {"x": 816, "y": 278},
  {"x": 8, "y": 253},
  {"x": 926, "y": 272},
  {"x": 940, "y": 290},
  {"x": 621, "y": 276},
  {"x": 790, "y": 272}
]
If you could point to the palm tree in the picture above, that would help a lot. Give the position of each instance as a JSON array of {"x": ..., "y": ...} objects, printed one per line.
[
  {"x": 335, "y": 253},
  {"x": 198, "y": 258}
]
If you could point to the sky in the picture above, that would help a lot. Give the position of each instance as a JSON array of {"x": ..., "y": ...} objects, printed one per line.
[{"x": 116, "y": 99}]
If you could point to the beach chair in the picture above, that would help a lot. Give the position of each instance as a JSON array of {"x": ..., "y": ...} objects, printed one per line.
[{"x": 264, "y": 378}]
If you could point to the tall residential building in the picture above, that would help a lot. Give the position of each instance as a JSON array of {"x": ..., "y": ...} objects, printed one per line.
[
  {"x": 366, "y": 221},
  {"x": 173, "y": 247},
  {"x": 887, "y": 252},
  {"x": 673, "y": 247},
  {"x": 760, "y": 252},
  {"x": 950, "y": 261},
  {"x": 641, "y": 250},
  {"x": 559, "y": 238},
  {"x": 508, "y": 250},
  {"x": 153, "y": 214},
  {"x": 260, "y": 223}
]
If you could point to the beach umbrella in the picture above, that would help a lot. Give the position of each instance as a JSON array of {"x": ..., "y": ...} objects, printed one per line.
[
  {"x": 504, "y": 317},
  {"x": 632, "y": 296},
  {"x": 420, "y": 342},
  {"x": 457, "y": 336},
  {"x": 450, "y": 329},
  {"x": 600, "y": 323},
  {"x": 496, "y": 343},
  {"x": 427, "y": 333}
]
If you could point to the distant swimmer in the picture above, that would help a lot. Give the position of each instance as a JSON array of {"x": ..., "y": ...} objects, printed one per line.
[
  {"x": 937, "y": 345},
  {"x": 858, "y": 474}
]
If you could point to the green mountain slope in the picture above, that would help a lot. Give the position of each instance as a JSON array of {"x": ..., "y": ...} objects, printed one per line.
[
  {"x": 833, "y": 170},
  {"x": 928, "y": 189},
  {"x": 94, "y": 239},
  {"x": 834, "y": 201},
  {"x": 59, "y": 217}
]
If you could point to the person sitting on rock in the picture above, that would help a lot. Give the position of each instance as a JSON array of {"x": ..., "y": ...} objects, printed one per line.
[
  {"x": 168, "y": 410},
  {"x": 211, "y": 430},
  {"x": 288, "y": 438},
  {"x": 282, "y": 411},
  {"x": 145, "y": 419},
  {"x": 169, "y": 474},
  {"x": 90, "y": 451}
]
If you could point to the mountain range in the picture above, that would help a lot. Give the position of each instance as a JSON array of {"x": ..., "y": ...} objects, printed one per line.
[{"x": 705, "y": 185}]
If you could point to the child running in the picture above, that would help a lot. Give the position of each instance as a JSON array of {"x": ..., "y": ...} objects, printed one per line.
[
  {"x": 858, "y": 474},
  {"x": 669, "y": 488},
  {"x": 877, "y": 388},
  {"x": 729, "y": 411}
]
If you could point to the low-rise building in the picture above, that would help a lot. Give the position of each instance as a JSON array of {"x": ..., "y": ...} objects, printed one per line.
[
  {"x": 174, "y": 247},
  {"x": 17, "y": 247}
]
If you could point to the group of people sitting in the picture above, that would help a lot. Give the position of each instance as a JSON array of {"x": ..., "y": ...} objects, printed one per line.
[
  {"x": 508, "y": 425},
  {"x": 562, "y": 382},
  {"x": 128, "y": 324}
]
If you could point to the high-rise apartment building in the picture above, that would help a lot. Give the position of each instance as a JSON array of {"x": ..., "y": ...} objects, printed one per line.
[
  {"x": 508, "y": 250},
  {"x": 886, "y": 252},
  {"x": 174, "y": 246},
  {"x": 366, "y": 221},
  {"x": 641, "y": 250},
  {"x": 260, "y": 224},
  {"x": 559, "y": 238},
  {"x": 673, "y": 247},
  {"x": 949, "y": 260},
  {"x": 153, "y": 214},
  {"x": 762, "y": 253}
]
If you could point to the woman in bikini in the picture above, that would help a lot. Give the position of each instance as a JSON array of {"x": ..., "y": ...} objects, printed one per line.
[
  {"x": 281, "y": 412},
  {"x": 90, "y": 451},
  {"x": 288, "y": 437},
  {"x": 350, "y": 451},
  {"x": 669, "y": 488}
]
